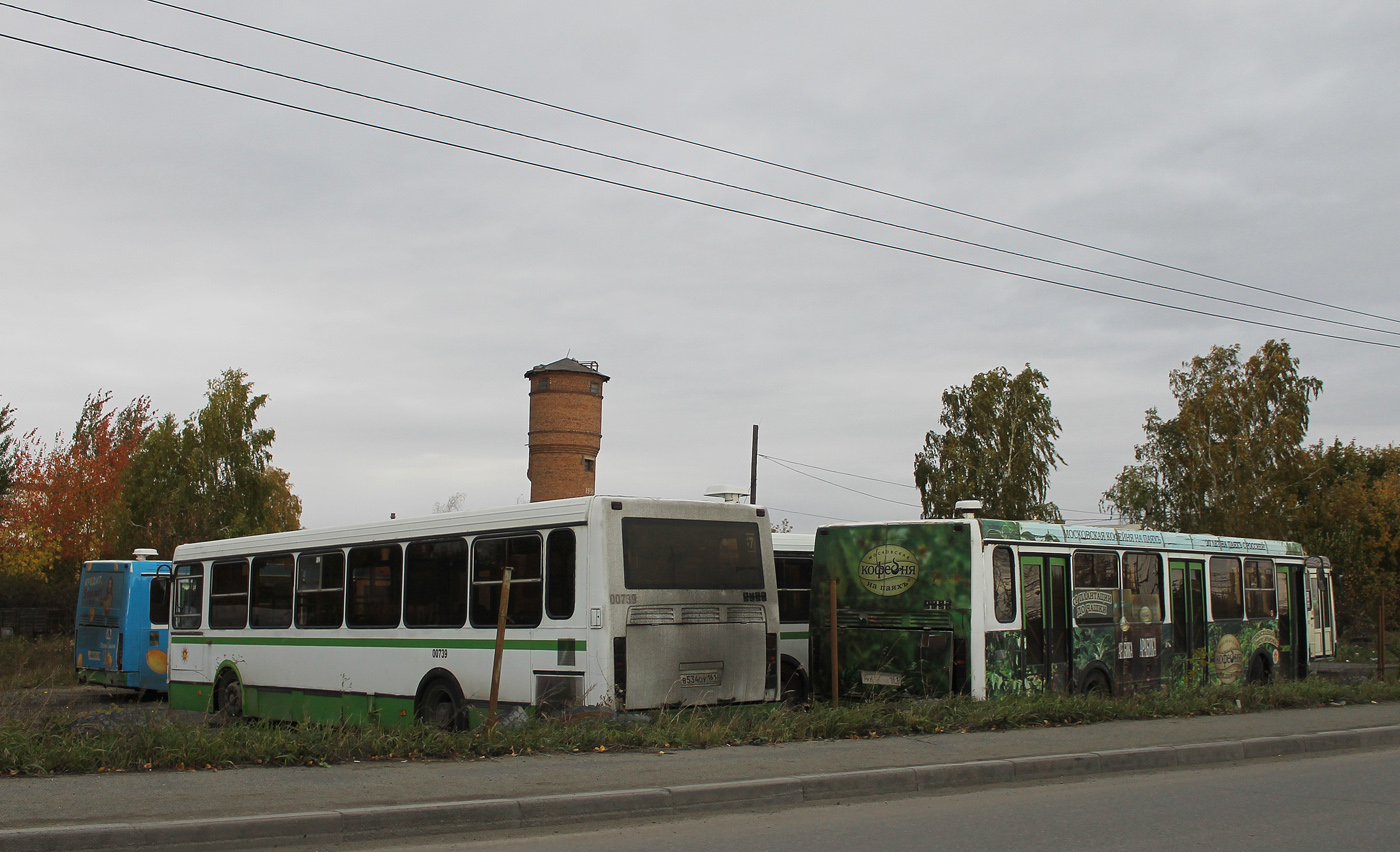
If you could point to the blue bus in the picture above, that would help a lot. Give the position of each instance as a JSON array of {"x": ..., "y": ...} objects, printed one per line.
[{"x": 123, "y": 622}]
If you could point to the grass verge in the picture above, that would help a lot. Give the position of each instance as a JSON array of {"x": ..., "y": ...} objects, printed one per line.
[
  {"x": 41, "y": 662},
  {"x": 41, "y": 744}
]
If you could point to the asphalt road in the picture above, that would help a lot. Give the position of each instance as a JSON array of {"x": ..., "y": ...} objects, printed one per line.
[{"x": 1349, "y": 801}]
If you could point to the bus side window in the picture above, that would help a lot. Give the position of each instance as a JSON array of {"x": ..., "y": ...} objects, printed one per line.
[
  {"x": 1226, "y": 595},
  {"x": 272, "y": 591},
  {"x": 1142, "y": 588},
  {"x": 1096, "y": 591},
  {"x": 375, "y": 591},
  {"x": 228, "y": 594},
  {"x": 1004, "y": 584},
  {"x": 187, "y": 610},
  {"x": 490, "y": 556},
  {"x": 1260, "y": 596},
  {"x": 560, "y": 574},
  {"x": 794, "y": 588},
  {"x": 320, "y": 599},
  {"x": 160, "y": 600},
  {"x": 435, "y": 583}
]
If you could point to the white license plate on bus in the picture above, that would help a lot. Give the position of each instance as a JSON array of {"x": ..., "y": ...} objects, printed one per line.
[
  {"x": 881, "y": 679},
  {"x": 701, "y": 674}
]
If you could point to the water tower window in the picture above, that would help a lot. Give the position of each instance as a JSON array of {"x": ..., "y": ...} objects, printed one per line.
[
  {"x": 544, "y": 384},
  {"x": 588, "y": 464},
  {"x": 593, "y": 388}
]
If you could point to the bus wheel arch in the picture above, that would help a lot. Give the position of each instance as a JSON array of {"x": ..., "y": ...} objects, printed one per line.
[
  {"x": 1096, "y": 680},
  {"x": 227, "y": 697},
  {"x": 1261, "y": 669},
  {"x": 439, "y": 701},
  {"x": 793, "y": 681}
]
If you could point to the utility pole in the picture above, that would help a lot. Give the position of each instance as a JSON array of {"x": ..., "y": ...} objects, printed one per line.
[{"x": 753, "y": 469}]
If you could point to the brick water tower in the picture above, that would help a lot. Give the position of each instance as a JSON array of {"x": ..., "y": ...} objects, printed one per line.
[{"x": 566, "y": 428}]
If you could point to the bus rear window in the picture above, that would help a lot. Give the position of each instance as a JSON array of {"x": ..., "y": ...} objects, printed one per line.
[
  {"x": 102, "y": 602},
  {"x": 664, "y": 553}
]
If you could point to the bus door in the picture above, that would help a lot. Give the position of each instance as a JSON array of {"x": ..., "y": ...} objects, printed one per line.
[
  {"x": 1318, "y": 592},
  {"x": 1291, "y": 625},
  {"x": 1188, "y": 579},
  {"x": 1044, "y": 593}
]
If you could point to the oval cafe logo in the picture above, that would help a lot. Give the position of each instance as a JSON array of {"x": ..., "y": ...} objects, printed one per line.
[
  {"x": 888, "y": 570},
  {"x": 1229, "y": 659}
]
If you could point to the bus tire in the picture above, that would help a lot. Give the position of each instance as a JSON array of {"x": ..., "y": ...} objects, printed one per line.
[
  {"x": 228, "y": 696},
  {"x": 794, "y": 684},
  {"x": 1095, "y": 682},
  {"x": 1260, "y": 670},
  {"x": 440, "y": 703}
]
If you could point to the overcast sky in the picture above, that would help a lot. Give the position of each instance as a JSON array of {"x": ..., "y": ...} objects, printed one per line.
[{"x": 389, "y": 293}]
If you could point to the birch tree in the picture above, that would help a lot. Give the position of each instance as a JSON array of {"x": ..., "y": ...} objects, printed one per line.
[
  {"x": 1231, "y": 459},
  {"x": 998, "y": 446}
]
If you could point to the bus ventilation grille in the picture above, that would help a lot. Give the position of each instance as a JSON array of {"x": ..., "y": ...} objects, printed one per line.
[{"x": 922, "y": 620}]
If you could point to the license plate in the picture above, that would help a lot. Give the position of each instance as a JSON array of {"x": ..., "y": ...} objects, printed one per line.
[
  {"x": 881, "y": 679},
  {"x": 700, "y": 674}
]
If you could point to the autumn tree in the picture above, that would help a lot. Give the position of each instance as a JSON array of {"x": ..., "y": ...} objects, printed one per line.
[
  {"x": 63, "y": 507},
  {"x": 1350, "y": 512},
  {"x": 1230, "y": 460},
  {"x": 7, "y": 452},
  {"x": 998, "y": 447},
  {"x": 211, "y": 476}
]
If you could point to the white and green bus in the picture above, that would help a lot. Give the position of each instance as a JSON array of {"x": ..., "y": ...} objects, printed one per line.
[
  {"x": 621, "y": 602},
  {"x": 792, "y": 560}
]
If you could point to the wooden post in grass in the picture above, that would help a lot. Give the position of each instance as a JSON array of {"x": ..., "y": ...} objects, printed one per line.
[
  {"x": 1380, "y": 638},
  {"x": 835, "y": 676},
  {"x": 500, "y": 647}
]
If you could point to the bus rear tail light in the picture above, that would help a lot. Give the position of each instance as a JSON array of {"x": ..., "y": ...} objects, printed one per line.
[{"x": 620, "y": 671}]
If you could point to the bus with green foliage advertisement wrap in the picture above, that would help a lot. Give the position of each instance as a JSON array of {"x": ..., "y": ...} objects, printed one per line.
[
  {"x": 618, "y": 602},
  {"x": 986, "y": 607}
]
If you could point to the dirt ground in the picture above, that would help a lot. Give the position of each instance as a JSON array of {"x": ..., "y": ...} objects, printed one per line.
[{"x": 90, "y": 706}]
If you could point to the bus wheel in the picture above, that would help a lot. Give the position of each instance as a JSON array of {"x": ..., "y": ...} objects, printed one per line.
[
  {"x": 441, "y": 705},
  {"x": 228, "y": 696},
  {"x": 1260, "y": 670},
  {"x": 794, "y": 686},
  {"x": 1096, "y": 683}
]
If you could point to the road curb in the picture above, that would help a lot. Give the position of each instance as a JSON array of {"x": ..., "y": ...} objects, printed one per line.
[{"x": 468, "y": 817}]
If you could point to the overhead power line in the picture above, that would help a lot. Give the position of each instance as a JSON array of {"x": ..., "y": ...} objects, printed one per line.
[
  {"x": 787, "y": 462},
  {"x": 687, "y": 199},
  {"x": 765, "y": 162},
  {"x": 842, "y": 487},
  {"x": 691, "y": 176}
]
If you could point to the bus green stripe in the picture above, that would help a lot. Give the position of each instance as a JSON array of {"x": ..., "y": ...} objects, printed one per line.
[
  {"x": 794, "y": 635},
  {"x": 369, "y": 642}
]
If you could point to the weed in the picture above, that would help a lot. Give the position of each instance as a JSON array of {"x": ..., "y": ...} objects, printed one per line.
[
  {"x": 41, "y": 662},
  {"x": 44, "y": 743}
]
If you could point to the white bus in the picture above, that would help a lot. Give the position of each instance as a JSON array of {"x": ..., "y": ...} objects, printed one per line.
[
  {"x": 792, "y": 559},
  {"x": 615, "y": 601}
]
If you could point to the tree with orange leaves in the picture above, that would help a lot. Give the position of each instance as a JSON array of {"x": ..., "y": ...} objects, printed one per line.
[{"x": 63, "y": 506}]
